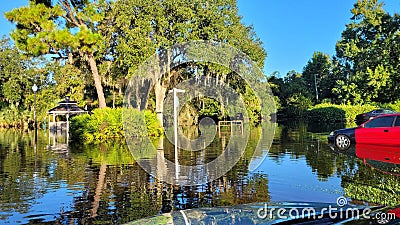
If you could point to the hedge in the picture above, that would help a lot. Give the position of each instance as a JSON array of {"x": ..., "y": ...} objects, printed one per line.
[{"x": 327, "y": 112}]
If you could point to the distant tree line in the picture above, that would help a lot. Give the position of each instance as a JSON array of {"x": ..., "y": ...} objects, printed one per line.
[
  {"x": 90, "y": 49},
  {"x": 364, "y": 70}
]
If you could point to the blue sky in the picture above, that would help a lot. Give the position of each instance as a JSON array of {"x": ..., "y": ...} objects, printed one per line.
[
  {"x": 293, "y": 30},
  {"x": 290, "y": 30},
  {"x": 5, "y": 6}
]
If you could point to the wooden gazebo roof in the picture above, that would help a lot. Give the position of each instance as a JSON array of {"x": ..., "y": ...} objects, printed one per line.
[{"x": 67, "y": 107}]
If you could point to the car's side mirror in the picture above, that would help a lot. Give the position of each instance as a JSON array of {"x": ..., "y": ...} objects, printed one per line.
[{"x": 361, "y": 125}]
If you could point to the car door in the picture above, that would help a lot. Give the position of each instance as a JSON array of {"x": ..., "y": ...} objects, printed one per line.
[
  {"x": 394, "y": 133},
  {"x": 378, "y": 130}
]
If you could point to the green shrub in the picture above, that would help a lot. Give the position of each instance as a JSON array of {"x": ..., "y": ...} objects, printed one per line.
[
  {"x": 134, "y": 121},
  {"x": 327, "y": 112},
  {"x": 78, "y": 126},
  {"x": 106, "y": 124},
  {"x": 152, "y": 124}
]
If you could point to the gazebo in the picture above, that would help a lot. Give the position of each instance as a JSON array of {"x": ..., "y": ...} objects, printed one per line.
[{"x": 65, "y": 108}]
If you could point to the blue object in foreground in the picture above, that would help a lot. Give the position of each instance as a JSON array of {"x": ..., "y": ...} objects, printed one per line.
[{"x": 280, "y": 213}]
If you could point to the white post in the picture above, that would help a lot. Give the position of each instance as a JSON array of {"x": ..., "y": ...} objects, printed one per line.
[
  {"x": 67, "y": 127},
  {"x": 176, "y": 105}
]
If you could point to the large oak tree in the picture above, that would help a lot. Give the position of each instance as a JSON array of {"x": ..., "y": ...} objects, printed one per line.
[{"x": 135, "y": 30}]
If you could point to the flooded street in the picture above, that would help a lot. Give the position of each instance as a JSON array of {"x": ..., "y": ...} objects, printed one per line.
[{"x": 82, "y": 184}]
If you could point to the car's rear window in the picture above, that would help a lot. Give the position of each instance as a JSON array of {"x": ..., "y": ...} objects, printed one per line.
[{"x": 386, "y": 121}]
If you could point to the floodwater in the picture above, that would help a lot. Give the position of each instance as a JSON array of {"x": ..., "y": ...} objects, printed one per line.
[{"x": 44, "y": 180}]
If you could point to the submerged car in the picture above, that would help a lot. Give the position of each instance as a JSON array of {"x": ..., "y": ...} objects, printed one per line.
[
  {"x": 380, "y": 130},
  {"x": 361, "y": 118}
]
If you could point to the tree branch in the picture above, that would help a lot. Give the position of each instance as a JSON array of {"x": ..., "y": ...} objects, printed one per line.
[
  {"x": 68, "y": 19},
  {"x": 70, "y": 12},
  {"x": 38, "y": 28}
]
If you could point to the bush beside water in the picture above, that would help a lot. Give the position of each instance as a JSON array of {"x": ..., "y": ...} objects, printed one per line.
[{"x": 105, "y": 124}]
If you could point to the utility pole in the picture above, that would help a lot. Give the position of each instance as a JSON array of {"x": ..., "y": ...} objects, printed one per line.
[{"x": 316, "y": 89}]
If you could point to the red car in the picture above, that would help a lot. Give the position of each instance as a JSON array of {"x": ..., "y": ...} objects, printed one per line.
[{"x": 381, "y": 130}]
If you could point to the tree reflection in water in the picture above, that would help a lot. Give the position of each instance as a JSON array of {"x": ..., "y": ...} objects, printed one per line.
[{"x": 103, "y": 183}]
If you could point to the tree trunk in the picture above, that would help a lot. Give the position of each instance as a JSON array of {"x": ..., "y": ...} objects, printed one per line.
[
  {"x": 113, "y": 103},
  {"x": 97, "y": 81},
  {"x": 160, "y": 95},
  {"x": 99, "y": 189}
]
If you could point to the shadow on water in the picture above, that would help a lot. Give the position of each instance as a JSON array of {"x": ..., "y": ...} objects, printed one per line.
[{"x": 104, "y": 184}]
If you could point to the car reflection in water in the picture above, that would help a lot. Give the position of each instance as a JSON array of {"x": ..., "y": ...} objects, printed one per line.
[{"x": 384, "y": 158}]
